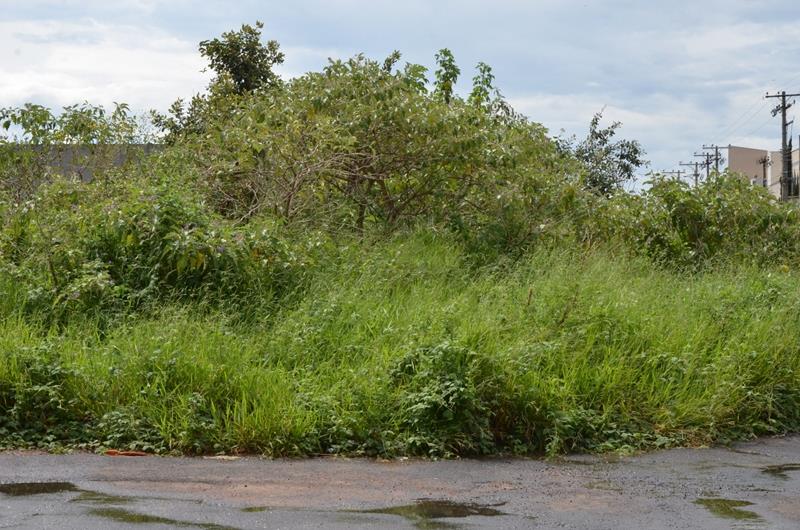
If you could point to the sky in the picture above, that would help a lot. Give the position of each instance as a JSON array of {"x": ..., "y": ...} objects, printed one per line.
[{"x": 677, "y": 74}]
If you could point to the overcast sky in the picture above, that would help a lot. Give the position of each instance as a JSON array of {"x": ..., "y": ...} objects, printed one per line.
[{"x": 677, "y": 74}]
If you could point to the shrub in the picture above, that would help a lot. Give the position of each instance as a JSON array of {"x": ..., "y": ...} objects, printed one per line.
[
  {"x": 447, "y": 396},
  {"x": 81, "y": 248},
  {"x": 38, "y": 405},
  {"x": 723, "y": 219}
]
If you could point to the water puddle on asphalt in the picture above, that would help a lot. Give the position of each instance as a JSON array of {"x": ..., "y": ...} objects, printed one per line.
[
  {"x": 120, "y": 515},
  {"x": 781, "y": 470},
  {"x": 95, "y": 497},
  {"x": 729, "y": 509},
  {"x": 125, "y": 516},
  {"x": 109, "y": 504},
  {"x": 425, "y": 513},
  {"x": 23, "y": 489}
]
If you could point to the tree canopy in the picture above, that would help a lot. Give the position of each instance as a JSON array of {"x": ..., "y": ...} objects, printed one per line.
[
  {"x": 609, "y": 164},
  {"x": 241, "y": 57}
]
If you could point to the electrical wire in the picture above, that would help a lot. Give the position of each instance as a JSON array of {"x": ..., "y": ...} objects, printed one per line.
[
  {"x": 748, "y": 116},
  {"x": 739, "y": 124},
  {"x": 757, "y": 129}
]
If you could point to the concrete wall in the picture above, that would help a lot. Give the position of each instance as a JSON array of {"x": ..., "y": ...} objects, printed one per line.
[
  {"x": 747, "y": 161},
  {"x": 83, "y": 161}
]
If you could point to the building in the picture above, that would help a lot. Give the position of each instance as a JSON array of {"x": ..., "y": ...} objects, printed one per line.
[{"x": 763, "y": 168}]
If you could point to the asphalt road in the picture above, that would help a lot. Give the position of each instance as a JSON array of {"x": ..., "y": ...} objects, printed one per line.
[{"x": 753, "y": 485}]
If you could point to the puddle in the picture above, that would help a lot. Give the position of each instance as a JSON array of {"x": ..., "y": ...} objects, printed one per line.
[
  {"x": 125, "y": 516},
  {"x": 729, "y": 509},
  {"x": 21, "y": 489},
  {"x": 425, "y": 512},
  {"x": 781, "y": 470},
  {"x": 432, "y": 509},
  {"x": 95, "y": 497}
]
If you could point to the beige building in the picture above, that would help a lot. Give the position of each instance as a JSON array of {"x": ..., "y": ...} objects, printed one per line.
[{"x": 762, "y": 167}]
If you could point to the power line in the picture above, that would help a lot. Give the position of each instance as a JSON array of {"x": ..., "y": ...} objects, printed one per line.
[
  {"x": 753, "y": 110},
  {"x": 790, "y": 80},
  {"x": 748, "y": 116},
  {"x": 758, "y": 128},
  {"x": 679, "y": 173}
]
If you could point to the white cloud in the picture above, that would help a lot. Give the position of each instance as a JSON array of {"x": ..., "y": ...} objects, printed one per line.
[
  {"x": 676, "y": 88},
  {"x": 303, "y": 59},
  {"x": 60, "y": 63},
  {"x": 147, "y": 6},
  {"x": 716, "y": 40}
]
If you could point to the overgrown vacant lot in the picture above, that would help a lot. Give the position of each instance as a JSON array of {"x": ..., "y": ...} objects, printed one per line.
[
  {"x": 360, "y": 261},
  {"x": 402, "y": 348}
]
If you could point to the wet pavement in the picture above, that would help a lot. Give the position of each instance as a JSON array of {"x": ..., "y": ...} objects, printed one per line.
[{"x": 752, "y": 485}]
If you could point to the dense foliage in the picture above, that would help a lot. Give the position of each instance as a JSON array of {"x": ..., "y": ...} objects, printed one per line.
[
  {"x": 609, "y": 164},
  {"x": 240, "y": 57},
  {"x": 84, "y": 140},
  {"x": 361, "y": 261}
]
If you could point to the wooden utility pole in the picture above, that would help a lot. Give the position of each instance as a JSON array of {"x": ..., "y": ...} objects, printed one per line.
[
  {"x": 786, "y": 169},
  {"x": 695, "y": 173},
  {"x": 707, "y": 163},
  {"x": 765, "y": 163},
  {"x": 717, "y": 157}
]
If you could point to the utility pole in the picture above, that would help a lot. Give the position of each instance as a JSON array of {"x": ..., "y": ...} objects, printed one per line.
[
  {"x": 794, "y": 191},
  {"x": 795, "y": 178},
  {"x": 717, "y": 158},
  {"x": 695, "y": 173},
  {"x": 707, "y": 162},
  {"x": 764, "y": 161},
  {"x": 786, "y": 169}
]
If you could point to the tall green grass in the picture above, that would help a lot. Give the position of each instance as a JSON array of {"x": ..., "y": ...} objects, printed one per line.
[{"x": 405, "y": 347}]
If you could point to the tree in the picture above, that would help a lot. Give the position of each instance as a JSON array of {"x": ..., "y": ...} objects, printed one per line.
[
  {"x": 608, "y": 164},
  {"x": 360, "y": 142},
  {"x": 241, "y": 57},
  {"x": 242, "y": 64},
  {"x": 446, "y": 75},
  {"x": 391, "y": 61},
  {"x": 482, "y": 85}
]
